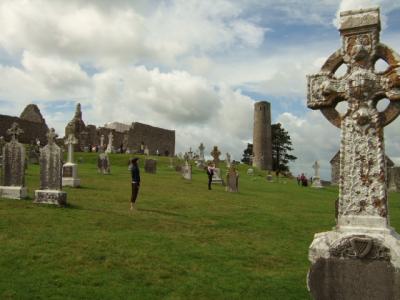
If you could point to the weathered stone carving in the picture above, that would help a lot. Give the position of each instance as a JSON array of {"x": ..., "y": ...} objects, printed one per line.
[
  {"x": 359, "y": 246},
  {"x": 362, "y": 231},
  {"x": 51, "y": 173},
  {"x": 232, "y": 180},
  {"x": 70, "y": 169},
  {"x": 215, "y": 153},
  {"x": 316, "y": 181},
  {"x": 13, "y": 166}
]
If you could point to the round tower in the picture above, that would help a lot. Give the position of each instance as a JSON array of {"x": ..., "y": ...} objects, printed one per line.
[{"x": 262, "y": 146}]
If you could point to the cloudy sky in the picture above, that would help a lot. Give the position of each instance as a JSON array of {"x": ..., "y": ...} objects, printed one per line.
[{"x": 193, "y": 66}]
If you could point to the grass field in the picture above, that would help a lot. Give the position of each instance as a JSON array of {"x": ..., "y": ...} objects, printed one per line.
[{"x": 182, "y": 242}]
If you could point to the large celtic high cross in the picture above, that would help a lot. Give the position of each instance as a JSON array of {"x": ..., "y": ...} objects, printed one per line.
[{"x": 362, "y": 187}]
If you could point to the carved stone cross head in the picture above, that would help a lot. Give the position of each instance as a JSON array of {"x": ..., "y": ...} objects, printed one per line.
[
  {"x": 201, "y": 147},
  {"x": 71, "y": 140},
  {"x": 215, "y": 153},
  {"x": 316, "y": 167},
  {"x": 362, "y": 86},
  {"x": 14, "y": 131},
  {"x": 51, "y": 136}
]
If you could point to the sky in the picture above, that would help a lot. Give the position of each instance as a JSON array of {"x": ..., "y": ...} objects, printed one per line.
[{"x": 196, "y": 67}]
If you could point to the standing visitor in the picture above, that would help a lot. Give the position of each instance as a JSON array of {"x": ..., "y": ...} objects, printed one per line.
[
  {"x": 210, "y": 173},
  {"x": 135, "y": 173}
]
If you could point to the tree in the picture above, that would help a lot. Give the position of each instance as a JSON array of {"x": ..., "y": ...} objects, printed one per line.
[
  {"x": 281, "y": 146},
  {"x": 248, "y": 152}
]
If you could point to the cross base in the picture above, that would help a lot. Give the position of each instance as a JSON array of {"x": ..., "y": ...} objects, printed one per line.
[
  {"x": 13, "y": 192},
  {"x": 55, "y": 197}
]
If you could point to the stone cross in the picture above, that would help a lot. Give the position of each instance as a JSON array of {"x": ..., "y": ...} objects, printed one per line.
[
  {"x": 70, "y": 142},
  {"x": 110, "y": 142},
  {"x": 51, "y": 136},
  {"x": 201, "y": 151},
  {"x": 215, "y": 154},
  {"x": 102, "y": 141},
  {"x": 190, "y": 153},
  {"x": 316, "y": 167},
  {"x": 362, "y": 168},
  {"x": 228, "y": 160},
  {"x": 360, "y": 257},
  {"x": 14, "y": 131}
]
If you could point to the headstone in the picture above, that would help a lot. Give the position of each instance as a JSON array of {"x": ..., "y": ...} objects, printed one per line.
[
  {"x": 190, "y": 154},
  {"x": 171, "y": 163},
  {"x": 51, "y": 173},
  {"x": 360, "y": 257},
  {"x": 146, "y": 151},
  {"x": 316, "y": 181},
  {"x": 13, "y": 167},
  {"x": 101, "y": 142},
  {"x": 269, "y": 177},
  {"x": 70, "y": 169},
  {"x": 215, "y": 153},
  {"x": 103, "y": 163},
  {"x": 228, "y": 160},
  {"x": 216, "y": 179},
  {"x": 187, "y": 171},
  {"x": 150, "y": 166},
  {"x": 232, "y": 180},
  {"x": 110, "y": 143},
  {"x": 250, "y": 171}
]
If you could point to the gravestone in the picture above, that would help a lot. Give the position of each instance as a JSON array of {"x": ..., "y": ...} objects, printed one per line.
[
  {"x": 70, "y": 169},
  {"x": 316, "y": 181},
  {"x": 190, "y": 154},
  {"x": 216, "y": 179},
  {"x": 200, "y": 163},
  {"x": 146, "y": 151},
  {"x": 103, "y": 163},
  {"x": 250, "y": 171},
  {"x": 13, "y": 167},
  {"x": 150, "y": 166},
  {"x": 51, "y": 173},
  {"x": 228, "y": 160},
  {"x": 232, "y": 180},
  {"x": 360, "y": 257},
  {"x": 110, "y": 143},
  {"x": 102, "y": 142},
  {"x": 215, "y": 153},
  {"x": 269, "y": 177},
  {"x": 187, "y": 171}
]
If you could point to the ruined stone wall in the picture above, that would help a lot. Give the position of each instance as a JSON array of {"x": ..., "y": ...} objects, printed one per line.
[
  {"x": 262, "y": 137},
  {"x": 118, "y": 137},
  {"x": 154, "y": 137},
  {"x": 32, "y": 130}
]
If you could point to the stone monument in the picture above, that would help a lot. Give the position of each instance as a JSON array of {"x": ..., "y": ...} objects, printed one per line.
[
  {"x": 70, "y": 169},
  {"x": 51, "y": 173},
  {"x": 316, "y": 181},
  {"x": 250, "y": 171},
  {"x": 216, "y": 179},
  {"x": 228, "y": 160},
  {"x": 215, "y": 153},
  {"x": 262, "y": 142},
  {"x": 232, "y": 180},
  {"x": 187, "y": 171},
  {"x": 146, "y": 151},
  {"x": 13, "y": 167},
  {"x": 103, "y": 163},
  {"x": 102, "y": 142},
  {"x": 110, "y": 143},
  {"x": 150, "y": 166},
  {"x": 360, "y": 257}
]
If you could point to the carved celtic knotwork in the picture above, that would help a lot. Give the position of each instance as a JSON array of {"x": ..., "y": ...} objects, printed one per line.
[
  {"x": 360, "y": 246},
  {"x": 362, "y": 166}
]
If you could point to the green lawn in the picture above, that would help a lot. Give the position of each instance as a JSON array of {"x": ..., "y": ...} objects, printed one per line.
[{"x": 182, "y": 242}]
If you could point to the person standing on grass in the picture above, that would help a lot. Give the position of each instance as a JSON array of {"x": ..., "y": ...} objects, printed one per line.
[
  {"x": 135, "y": 173},
  {"x": 210, "y": 173}
]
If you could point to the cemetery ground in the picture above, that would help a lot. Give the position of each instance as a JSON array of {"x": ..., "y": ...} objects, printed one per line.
[{"x": 182, "y": 242}]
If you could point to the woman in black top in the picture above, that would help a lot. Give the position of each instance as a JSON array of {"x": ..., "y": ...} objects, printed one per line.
[{"x": 134, "y": 168}]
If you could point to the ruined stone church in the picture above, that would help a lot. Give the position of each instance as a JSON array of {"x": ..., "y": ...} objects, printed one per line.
[{"x": 129, "y": 137}]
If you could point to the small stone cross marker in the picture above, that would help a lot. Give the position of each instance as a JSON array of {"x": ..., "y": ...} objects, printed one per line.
[
  {"x": 14, "y": 131},
  {"x": 316, "y": 167},
  {"x": 70, "y": 142}
]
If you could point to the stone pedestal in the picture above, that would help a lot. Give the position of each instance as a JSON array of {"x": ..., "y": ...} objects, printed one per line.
[
  {"x": 13, "y": 192},
  {"x": 347, "y": 260},
  {"x": 51, "y": 197},
  {"x": 70, "y": 175},
  {"x": 216, "y": 179},
  {"x": 317, "y": 183}
]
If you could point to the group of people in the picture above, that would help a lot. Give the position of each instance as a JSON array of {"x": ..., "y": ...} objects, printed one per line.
[{"x": 303, "y": 180}]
